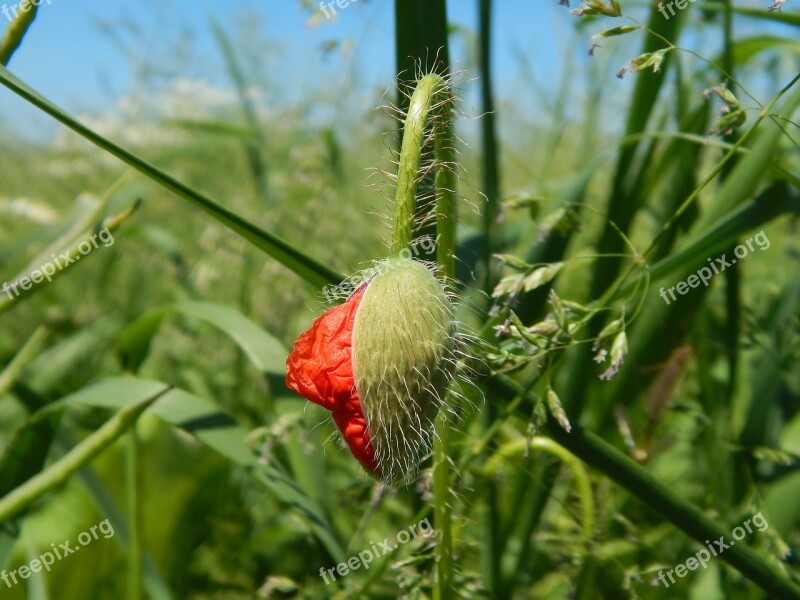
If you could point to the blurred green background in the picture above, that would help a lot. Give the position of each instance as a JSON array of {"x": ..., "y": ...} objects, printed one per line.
[{"x": 238, "y": 488}]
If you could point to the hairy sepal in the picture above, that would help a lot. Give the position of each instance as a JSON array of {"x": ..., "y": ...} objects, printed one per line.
[{"x": 403, "y": 345}]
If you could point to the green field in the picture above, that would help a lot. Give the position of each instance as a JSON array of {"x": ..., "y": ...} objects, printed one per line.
[{"x": 590, "y": 391}]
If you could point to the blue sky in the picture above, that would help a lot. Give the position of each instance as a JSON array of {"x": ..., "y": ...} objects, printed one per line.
[
  {"x": 71, "y": 58},
  {"x": 84, "y": 54}
]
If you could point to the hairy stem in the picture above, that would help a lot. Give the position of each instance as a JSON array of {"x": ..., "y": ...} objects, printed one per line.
[{"x": 431, "y": 106}]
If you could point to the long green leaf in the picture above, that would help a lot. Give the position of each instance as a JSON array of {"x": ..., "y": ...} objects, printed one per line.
[
  {"x": 773, "y": 202},
  {"x": 265, "y": 352},
  {"x": 306, "y": 267}
]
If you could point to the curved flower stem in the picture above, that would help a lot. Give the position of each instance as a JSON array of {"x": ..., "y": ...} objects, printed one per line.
[
  {"x": 520, "y": 446},
  {"x": 431, "y": 105}
]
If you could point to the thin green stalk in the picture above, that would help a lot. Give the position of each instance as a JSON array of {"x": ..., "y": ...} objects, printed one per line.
[
  {"x": 15, "y": 290},
  {"x": 28, "y": 352},
  {"x": 492, "y": 551},
  {"x": 518, "y": 447},
  {"x": 16, "y": 31},
  {"x": 733, "y": 278},
  {"x": 712, "y": 214},
  {"x": 443, "y": 518},
  {"x": 132, "y": 483},
  {"x": 60, "y": 471},
  {"x": 445, "y": 255},
  {"x": 491, "y": 175},
  {"x": 254, "y": 142},
  {"x": 420, "y": 42},
  {"x": 444, "y": 155}
]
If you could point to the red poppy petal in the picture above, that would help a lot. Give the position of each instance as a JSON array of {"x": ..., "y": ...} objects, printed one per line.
[
  {"x": 353, "y": 426},
  {"x": 320, "y": 366}
]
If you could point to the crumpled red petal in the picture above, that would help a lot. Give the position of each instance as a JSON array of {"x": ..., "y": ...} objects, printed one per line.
[{"x": 320, "y": 368}]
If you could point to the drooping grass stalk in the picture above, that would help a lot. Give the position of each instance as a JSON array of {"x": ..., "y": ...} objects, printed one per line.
[
  {"x": 757, "y": 165},
  {"x": 623, "y": 201},
  {"x": 735, "y": 189},
  {"x": 17, "y": 29},
  {"x": 431, "y": 106},
  {"x": 60, "y": 471}
]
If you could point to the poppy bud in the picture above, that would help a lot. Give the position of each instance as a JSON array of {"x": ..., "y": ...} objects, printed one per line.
[{"x": 381, "y": 363}]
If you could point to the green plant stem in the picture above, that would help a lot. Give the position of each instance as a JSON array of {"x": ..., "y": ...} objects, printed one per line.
[
  {"x": 760, "y": 163},
  {"x": 640, "y": 483},
  {"x": 491, "y": 171},
  {"x": 27, "y": 353},
  {"x": 443, "y": 518},
  {"x": 518, "y": 447},
  {"x": 17, "y": 29},
  {"x": 60, "y": 471},
  {"x": 8, "y": 300},
  {"x": 444, "y": 155},
  {"x": 134, "y": 518},
  {"x": 445, "y": 256},
  {"x": 431, "y": 105},
  {"x": 492, "y": 550}
]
